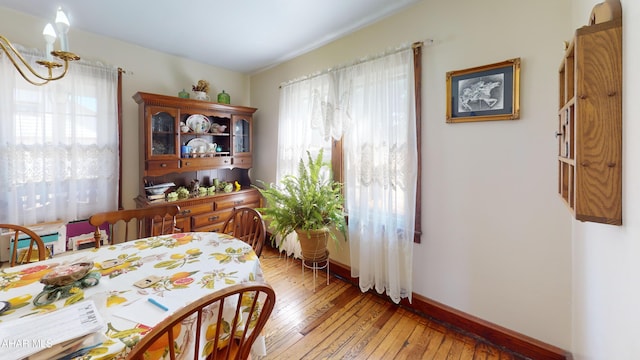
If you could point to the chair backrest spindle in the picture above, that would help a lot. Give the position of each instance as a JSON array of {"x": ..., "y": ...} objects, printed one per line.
[
  {"x": 247, "y": 225},
  {"x": 165, "y": 212},
  {"x": 234, "y": 342}
]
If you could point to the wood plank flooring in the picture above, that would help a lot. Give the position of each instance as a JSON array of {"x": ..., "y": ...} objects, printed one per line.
[{"x": 337, "y": 321}]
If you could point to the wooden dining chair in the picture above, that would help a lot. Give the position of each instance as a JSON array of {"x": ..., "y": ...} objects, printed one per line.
[
  {"x": 247, "y": 225},
  {"x": 246, "y": 308},
  {"x": 35, "y": 240},
  {"x": 165, "y": 215}
]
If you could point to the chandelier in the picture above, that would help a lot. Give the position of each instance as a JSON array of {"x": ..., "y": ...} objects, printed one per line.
[{"x": 28, "y": 72}]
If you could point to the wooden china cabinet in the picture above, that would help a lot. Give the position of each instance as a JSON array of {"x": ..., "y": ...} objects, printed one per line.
[{"x": 220, "y": 139}]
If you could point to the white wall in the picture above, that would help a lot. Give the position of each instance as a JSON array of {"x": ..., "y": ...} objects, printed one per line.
[
  {"x": 606, "y": 265},
  {"x": 496, "y": 240},
  {"x": 147, "y": 70}
]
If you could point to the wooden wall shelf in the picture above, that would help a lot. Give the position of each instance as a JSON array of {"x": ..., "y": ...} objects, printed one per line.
[{"x": 590, "y": 124}]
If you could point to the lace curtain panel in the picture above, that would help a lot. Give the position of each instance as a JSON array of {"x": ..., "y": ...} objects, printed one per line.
[
  {"x": 58, "y": 143},
  {"x": 381, "y": 164},
  {"x": 299, "y": 129},
  {"x": 371, "y": 105}
]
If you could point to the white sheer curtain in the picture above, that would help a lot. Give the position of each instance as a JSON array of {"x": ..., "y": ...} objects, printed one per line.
[
  {"x": 380, "y": 172},
  {"x": 298, "y": 131},
  {"x": 58, "y": 144},
  {"x": 371, "y": 104}
]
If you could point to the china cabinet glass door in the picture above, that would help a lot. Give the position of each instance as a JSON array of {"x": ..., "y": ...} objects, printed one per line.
[
  {"x": 164, "y": 133},
  {"x": 241, "y": 135}
]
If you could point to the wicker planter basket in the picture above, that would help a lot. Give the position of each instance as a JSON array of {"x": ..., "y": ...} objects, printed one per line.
[{"x": 314, "y": 244}]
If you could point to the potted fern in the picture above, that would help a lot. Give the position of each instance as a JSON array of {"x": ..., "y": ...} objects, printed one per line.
[{"x": 309, "y": 203}]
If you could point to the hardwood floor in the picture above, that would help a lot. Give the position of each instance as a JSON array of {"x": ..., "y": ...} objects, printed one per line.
[{"x": 337, "y": 321}]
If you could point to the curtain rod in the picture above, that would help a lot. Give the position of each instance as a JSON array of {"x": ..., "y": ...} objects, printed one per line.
[{"x": 359, "y": 61}]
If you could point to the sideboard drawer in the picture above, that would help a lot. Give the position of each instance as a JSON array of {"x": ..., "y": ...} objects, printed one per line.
[
  {"x": 217, "y": 227},
  {"x": 154, "y": 165},
  {"x": 205, "y": 163},
  {"x": 210, "y": 218},
  {"x": 242, "y": 162},
  {"x": 237, "y": 200},
  {"x": 196, "y": 209}
]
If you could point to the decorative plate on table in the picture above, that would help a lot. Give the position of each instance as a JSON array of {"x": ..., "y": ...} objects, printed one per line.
[
  {"x": 198, "y": 123},
  {"x": 66, "y": 274}
]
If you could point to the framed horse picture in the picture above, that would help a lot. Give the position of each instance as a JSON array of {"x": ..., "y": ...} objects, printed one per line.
[{"x": 484, "y": 93}]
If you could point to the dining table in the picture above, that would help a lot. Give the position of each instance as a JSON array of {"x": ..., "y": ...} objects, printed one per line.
[{"x": 134, "y": 285}]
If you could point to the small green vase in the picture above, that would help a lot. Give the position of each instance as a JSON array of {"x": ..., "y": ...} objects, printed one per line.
[
  {"x": 183, "y": 94},
  {"x": 224, "y": 98}
]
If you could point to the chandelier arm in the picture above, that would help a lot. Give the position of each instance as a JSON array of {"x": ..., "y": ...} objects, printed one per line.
[
  {"x": 8, "y": 48},
  {"x": 50, "y": 65}
]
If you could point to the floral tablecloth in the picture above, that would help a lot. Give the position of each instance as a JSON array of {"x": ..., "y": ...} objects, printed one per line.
[{"x": 190, "y": 265}]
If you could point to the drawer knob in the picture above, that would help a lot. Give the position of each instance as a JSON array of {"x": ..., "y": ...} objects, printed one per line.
[
  {"x": 185, "y": 212},
  {"x": 163, "y": 165},
  {"x": 214, "y": 218},
  {"x": 238, "y": 202}
]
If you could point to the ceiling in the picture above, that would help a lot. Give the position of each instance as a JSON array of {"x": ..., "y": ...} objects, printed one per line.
[{"x": 240, "y": 35}]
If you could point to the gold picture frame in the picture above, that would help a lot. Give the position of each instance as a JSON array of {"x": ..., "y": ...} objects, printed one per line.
[{"x": 484, "y": 93}]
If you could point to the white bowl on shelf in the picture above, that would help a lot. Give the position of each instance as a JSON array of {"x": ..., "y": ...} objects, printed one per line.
[{"x": 158, "y": 189}]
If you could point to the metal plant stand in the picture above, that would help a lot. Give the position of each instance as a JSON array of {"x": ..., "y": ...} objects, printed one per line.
[{"x": 315, "y": 266}]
